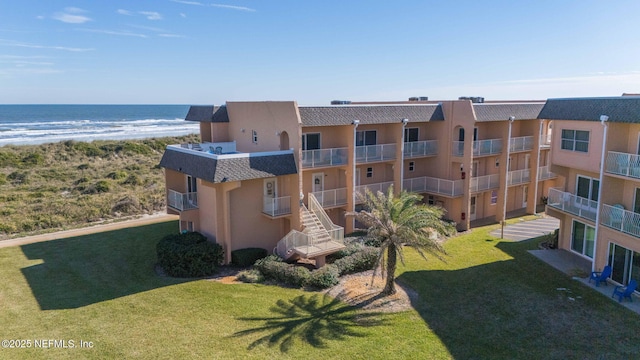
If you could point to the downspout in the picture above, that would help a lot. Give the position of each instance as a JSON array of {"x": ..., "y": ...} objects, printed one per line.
[
  {"x": 506, "y": 184},
  {"x": 535, "y": 191},
  {"x": 404, "y": 125},
  {"x": 355, "y": 124},
  {"x": 603, "y": 121}
]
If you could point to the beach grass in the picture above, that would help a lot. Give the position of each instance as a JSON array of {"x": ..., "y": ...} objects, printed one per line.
[
  {"x": 71, "y": 184},
  {"x": 490, "y": 299}
]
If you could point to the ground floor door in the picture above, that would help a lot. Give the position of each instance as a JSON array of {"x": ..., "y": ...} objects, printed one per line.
[
  {"x": 625, "y": 264},
  {"x": 269, "y": 193},
  {"x": 472, "y": 208},
  {"x": 525, "y": 195}
]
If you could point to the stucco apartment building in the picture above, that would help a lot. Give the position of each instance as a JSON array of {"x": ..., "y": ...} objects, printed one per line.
[
  {"x": 281, "y": 176},
  {"x": 595, "y": 147}
]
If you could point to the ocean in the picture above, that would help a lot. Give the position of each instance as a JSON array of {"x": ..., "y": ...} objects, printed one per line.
[{"x": 39, "y": 124}]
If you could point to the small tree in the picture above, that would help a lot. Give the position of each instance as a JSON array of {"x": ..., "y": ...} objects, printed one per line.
[{"x": 402, "y": 220}]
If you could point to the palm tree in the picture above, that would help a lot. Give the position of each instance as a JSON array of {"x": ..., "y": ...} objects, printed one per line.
[{"x": 401, "y": 220}]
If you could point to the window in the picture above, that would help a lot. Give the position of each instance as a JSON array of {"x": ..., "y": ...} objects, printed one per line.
[
  {"x": 625, "y": 264},
  {"x": 431, "y": 200},
  {"x": 494, "y": 197},
  {"x": 254, "y": 136},
  {"x": 369, "y": 172},
  {"x": 582, "y": 239},
  {"x": 311, "y": 141},
  {"x": 412, "y": 165},
  {"x": 364, "y": 138},
  {"x": 575, "y": 140},
  {"x": 588, "y": 188},
  {"x": 410, "y": 134},
  {"x": 497, "y": 162}
]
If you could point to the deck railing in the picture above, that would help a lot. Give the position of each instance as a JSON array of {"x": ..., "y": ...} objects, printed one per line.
[
  {"x": 623, "y": 164},
  {"x": 522, "y": 143},
  {"x": 434, "y": 185},
  {"x": 373, "y": 153},
  {"x": 334, "y": 197},
  {"x": 518, "y": 177},
  {"x": 487, "y": 147},
  {"x": 420, "y": 148},
  {"x": 458, "y": 148},
  {"x": 544, "y": 173},
  {"x": 324, "y": 157},
  {"x": 545, "y": 141},
  {"x": 618, "y": 218},
  {"x": 276, "y": 206},
  {"x": 374, "y": 188},
  {"x": 486, "y": 182},
  {"x": 182, "y": 201},
  {"x": 572, "y": 204}
]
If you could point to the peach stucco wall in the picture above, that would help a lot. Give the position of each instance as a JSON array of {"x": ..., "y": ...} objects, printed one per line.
[{"x": 589, "y": 161}]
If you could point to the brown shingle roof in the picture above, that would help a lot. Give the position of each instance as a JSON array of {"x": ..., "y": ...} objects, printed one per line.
[
  {"x": 498, "y": 112},
  {"x": 229, "y": 169},
  {"x": 625, "y": 109},
  {"x": 371, "y": 114}
]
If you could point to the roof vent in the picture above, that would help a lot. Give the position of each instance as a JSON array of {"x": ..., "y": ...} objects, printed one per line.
[
  {"x": 340, "y": 102},
  {"x": 474, "y": 99},
  {"x": 419, "y": 98}
]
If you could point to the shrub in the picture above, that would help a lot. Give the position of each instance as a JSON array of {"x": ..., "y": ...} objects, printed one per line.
[
  {"x": 247, "y": 257},
  {"x": 18, "y": 178},
  {"x": 352, "y": 247},
  {"x": 132, "y": 180},
  {"x": 33, "y": 159},
  {"x": 101, "y": 186},
  {"x": 136, "y": 148},
  {"x": 117, "y": 175},
  {"x": 3, "y": 179},
  {"x": 188, "y": 255},
  {"x": 326, "y": 276},
  {"x": 272, "y": 267},
  {"x": 89, "y": 149},
  {"x": 251, "y": 276},
  {"x": 362, "y": 260},
  {"x": 9, "y": 159}
]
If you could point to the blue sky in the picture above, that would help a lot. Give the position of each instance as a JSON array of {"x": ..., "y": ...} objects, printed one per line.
[{"x": 203, "y": 52}]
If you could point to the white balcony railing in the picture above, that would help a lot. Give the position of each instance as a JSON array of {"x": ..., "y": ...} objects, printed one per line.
[
  {"x": 545, "y": 141},
  {"x": 420, "y": 148},
  {"x": 522, "y": 143},
  {"x": 324, "y": 157},
  {"x": 276, "y": 206},
  {"x": 618, "y": 218},
  {"x": 182, "y": 201},
  {"x": 487, "y": 147},
  {"x": 544, "y": 173},
  {"x": 374, "y": 188},
  {"x": 335, "y": 232},
  {"x": 458, "y": 148},
  {"x": 329, "y": 198},
  {"x": 482, "y": 183},
  {"x": 432, "y": 185},
  {"x": 623, "y": 164},
  {"x": 572, "y": 204},
  {"x": 518, "y": 177},
  {"x": 373, "y": 153}
]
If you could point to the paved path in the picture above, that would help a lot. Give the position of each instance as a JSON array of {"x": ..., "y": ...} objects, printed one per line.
[
  {"x": 528, "y": 229},
  {"x": 146, "y": 220}
]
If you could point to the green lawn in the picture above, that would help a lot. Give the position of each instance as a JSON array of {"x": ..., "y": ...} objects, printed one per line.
[{"x": 490, "y": 300}]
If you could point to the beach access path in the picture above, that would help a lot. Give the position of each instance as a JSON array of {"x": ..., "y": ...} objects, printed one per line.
[{"x": 93, "y": 229}]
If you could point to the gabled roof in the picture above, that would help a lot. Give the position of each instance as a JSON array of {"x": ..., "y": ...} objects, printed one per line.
[
  {"x": 368, "y": 114},
  {"x": 625, "y": 109},
  {"x": 207, "y": 113},
  {"x": 501, "y": 112},
  {"x": 229, "y": 168}
]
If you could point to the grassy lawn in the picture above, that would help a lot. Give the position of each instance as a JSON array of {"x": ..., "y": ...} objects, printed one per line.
[{"x": 490, "y": 300}]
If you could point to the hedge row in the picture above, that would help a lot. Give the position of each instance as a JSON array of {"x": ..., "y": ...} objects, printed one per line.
[{"x": 188, "y": 255}]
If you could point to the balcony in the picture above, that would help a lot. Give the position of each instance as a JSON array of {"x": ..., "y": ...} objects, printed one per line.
[
  {"x": 420, "y": 148},
  {"x": 458, "y": 148},
  {"x": 616, "y": 217},
  {"x": 483, "y": 183},
  {"x": 623, "y": 164},
  {"x": 544, "y": 173},
  {"x": 523, "y": 143},
  {"x": 374, "y": 153},
  {"x": 331, "y": 198},
  {"x": 432, "y": 185},
  {"x": 567, "y": 202},
  {"x": 374, "y": 188},
  {"x": 324, "y": 157},
  {"x": 278, "y": 206},
  {"x": 487, "y": 147},
  {"x": 518, "y": 177},
  {"x": 182, "y": 201},
  {"x": 545, "y": 141}
]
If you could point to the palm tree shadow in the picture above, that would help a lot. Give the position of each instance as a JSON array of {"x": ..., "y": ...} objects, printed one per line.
[{"x": 312, "y": 319}]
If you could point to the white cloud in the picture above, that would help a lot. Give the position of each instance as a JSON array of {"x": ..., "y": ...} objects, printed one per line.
[
  {"x": 40, "y": 17},
  {"x": 113, "y": 32},
  {"x": 233, "y": 7},
  {"x": 188, "y": 2},
  {"x": 71, "y": 15},
  {"x": 183, "y": 15},
  {"x": 151, "y": 15},
  {"x": 171, "y": 35},
  {"x": 124, "y": 12},
  {"x": 4, "y": 42}
]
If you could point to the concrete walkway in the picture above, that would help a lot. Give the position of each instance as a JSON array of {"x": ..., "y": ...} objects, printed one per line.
[
  {"x": 525, "y": 230},
  {"x": 145, "y": 220}
]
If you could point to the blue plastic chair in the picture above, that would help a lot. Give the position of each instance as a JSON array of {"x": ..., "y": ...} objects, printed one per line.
[
  {"x": 625, "y": 291},
  {"x": 601, "y": 276}
]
